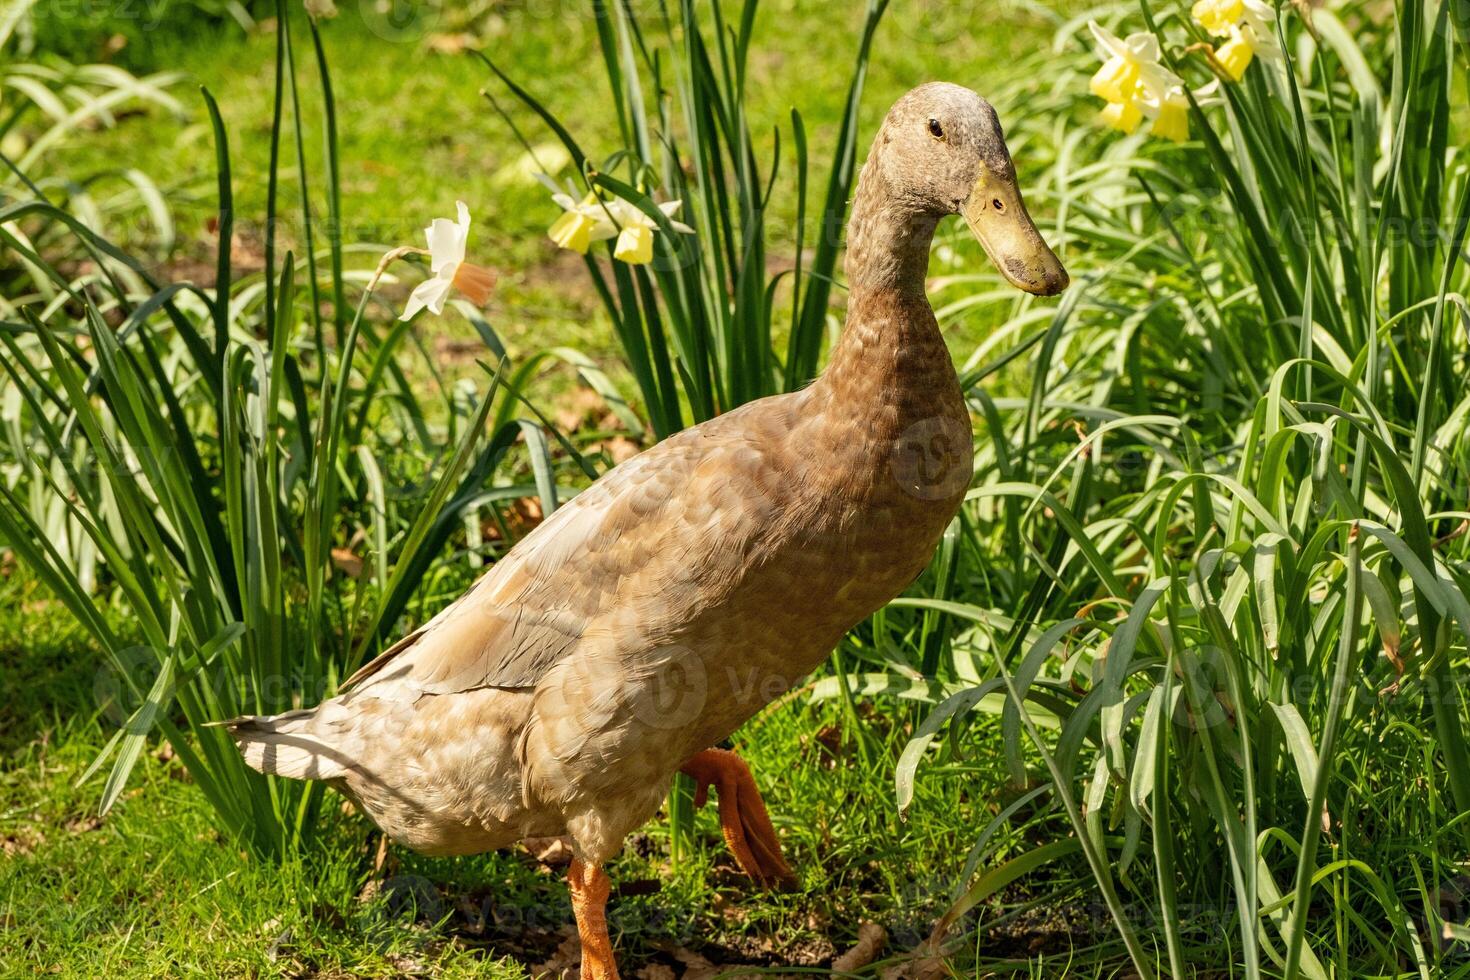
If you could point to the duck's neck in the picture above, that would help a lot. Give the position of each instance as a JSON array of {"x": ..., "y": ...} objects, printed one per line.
[
  {"x": 891, "y": 342},
  {"x": 887, "y": 240}
]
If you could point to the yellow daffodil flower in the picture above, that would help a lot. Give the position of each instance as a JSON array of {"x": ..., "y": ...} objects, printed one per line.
[
  {"x": 1249, "y": 27},
  {"x": 447, "y": 240},
  {"x": 1235, "y": 54},
  {"x": 1172, "y": 122},
  {"x": 1116, "y": 80},
  {"x": 1122, "y": 116},
  {"x": 1136, "y": 85},
  {"x": 634, "y": 245},
  {"x": 594, "y": 220},
  {"x": 582, "y": 224},
  {"x": 1218, "y": 16},
  {"x": 635, "y": 235}
]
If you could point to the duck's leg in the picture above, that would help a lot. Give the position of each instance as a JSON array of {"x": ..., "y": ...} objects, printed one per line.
[
  {"x": 743, "y": 817},
  {"x": 589, "y": 886}
]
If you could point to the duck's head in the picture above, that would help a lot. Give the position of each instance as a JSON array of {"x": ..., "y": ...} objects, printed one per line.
[{"x": 943, "y": 152}]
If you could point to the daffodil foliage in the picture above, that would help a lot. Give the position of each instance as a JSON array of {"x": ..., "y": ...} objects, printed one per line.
[
  {"x": 673, "y": 223},
  {"x": 256, "y": 507},
  {"x": 1210, "y": 594}
]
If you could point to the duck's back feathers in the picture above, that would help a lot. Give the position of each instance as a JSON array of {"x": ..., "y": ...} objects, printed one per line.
[{"x": 649, "y": 535}]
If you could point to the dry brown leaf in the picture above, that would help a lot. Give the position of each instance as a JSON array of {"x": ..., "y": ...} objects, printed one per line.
[
  {"x": 870, "y": 942},
  {"x": 576, "y": 408},
  {"x": 347, "y": 563},
  {"x": 696, "y": 967},
  {"x": 925, "y": 963},
  {"x": 568, "y": 956},
  {"x": 554, "y": 852},
  {"x": 620, "y": 448}
]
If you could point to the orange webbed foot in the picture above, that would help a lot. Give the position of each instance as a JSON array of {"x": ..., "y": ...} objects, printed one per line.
[{"x": 743, "y": 817}]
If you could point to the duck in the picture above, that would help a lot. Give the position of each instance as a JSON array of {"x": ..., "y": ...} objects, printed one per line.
[{"x": 635, "y": 629}]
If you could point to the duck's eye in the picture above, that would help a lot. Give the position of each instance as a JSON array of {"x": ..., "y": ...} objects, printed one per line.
[{"x": 936, "y": 130}]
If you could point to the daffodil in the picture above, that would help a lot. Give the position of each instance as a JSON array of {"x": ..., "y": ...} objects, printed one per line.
[
  {"x": 1249, "y": 27},
  {"x": 1116, "y": 80},
  {"x": 1122, "y": 116},
  {"x": 446, "y": 252},
  {"x": 1218, "y": 16},
  {"x": 635, "y": 235},
  {"x": 1136, "y": 85},
  {"x": 594, "y": 220},
  {"x": 1172, "y": 122},
  {"x": 1235, "y": 55},
  {"x": 581, "y": 224}
]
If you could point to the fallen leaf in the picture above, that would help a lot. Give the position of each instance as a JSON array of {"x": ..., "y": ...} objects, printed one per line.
[
  {"x": 347, "y": 563},
  {"x": 450, "y": 43},
  {"x": 696, "y": 967},
  {"x": 554, "y": 852},
  {"x": 870, "y": 942},
  {"x": 568, "y": 956},
  {"x": 621, "y": 448},
  {"x": 576, "y": 408}
]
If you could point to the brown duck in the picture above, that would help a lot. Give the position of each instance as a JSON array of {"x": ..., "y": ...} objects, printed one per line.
[{"x": 691, "y": 585}]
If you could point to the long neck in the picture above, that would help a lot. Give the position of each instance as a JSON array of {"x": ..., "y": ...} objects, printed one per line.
[
  {"x": 889, "y": 411},
  {"x": 890, "y": 337},
  {"x": 887, "y": 239}
]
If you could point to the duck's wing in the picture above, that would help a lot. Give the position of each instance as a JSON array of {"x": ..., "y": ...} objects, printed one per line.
[{"x": 680, "y": 509}]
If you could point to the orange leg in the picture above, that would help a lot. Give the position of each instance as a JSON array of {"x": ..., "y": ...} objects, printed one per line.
[
  {"x": 743, "y": 816},
  {"x": 590, "y": 887}
]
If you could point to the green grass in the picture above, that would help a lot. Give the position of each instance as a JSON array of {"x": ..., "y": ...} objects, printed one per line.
[{"x": 152, "y": 889}]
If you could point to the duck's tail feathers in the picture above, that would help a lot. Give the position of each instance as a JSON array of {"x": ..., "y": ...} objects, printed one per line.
[{"x": 284, "y": 745}]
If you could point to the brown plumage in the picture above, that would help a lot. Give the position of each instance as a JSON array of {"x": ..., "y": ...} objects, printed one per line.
[{"x": 663, "y": 606}]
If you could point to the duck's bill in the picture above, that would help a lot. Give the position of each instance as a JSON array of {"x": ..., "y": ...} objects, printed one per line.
[{"x": 997, "y": 216}]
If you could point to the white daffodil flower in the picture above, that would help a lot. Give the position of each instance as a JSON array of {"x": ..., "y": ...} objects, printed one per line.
[
  {"x": 1259, "y": 25},
  {"x": 447, "y": 241}
]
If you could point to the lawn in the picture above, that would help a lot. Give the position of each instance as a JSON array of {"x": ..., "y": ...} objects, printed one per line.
[
  {"x": 1180, "y": 693},
  {"x": 153, "y": 889}
]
